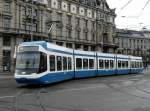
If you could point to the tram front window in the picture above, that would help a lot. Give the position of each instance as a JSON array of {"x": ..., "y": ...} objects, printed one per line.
[{"x": 31, "y": 62}]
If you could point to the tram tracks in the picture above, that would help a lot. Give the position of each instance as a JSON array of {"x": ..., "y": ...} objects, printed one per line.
[
  {"x": 143, "y": 94},
  {"x": 36, "y": 94},
  {"x": 40, "y": 92}
]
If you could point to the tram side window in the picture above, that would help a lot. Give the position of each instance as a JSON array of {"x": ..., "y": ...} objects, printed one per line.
[
  {"x": 119, "y": 64},
  {"x": 106, "y": 64},
  {"x": 59, "y": 63},
  {"x": 141, "y": 64},
  {"x": 123, "y": 64},
  {"x": 78, "y": 63},
  {"x": 69, "y": 63},
  {"x": 111, "y": 64},
  {"x": 43, "y": 63},
  {"x": 137, "y": 64},
  {"x": 133, "y": 64},
  {"x": 101, "y": 64},
  {"x": 126, "y": 64},
  {"x": 52, "y": 62},
  {"x": 85, "y": 63},
  {"x": 64, "y": 63},
  {"x": 91, "y": 63}
]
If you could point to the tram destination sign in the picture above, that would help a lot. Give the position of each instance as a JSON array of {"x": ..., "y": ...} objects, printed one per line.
[{"x": 28, "y": 48}]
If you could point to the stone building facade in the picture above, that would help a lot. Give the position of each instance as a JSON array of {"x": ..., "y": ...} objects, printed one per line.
[
  {"x": 135, "y": 43},
  {"x": 83, "y": 24},
  {"x": 15, "y": 27}
]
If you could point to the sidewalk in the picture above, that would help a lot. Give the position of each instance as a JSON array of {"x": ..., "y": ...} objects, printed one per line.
[{"x": 5, "y": 75}]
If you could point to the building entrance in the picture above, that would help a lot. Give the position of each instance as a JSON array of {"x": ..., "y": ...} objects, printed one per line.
[{"x": 6, "y": 60}]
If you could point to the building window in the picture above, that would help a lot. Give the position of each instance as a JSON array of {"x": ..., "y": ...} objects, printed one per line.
[
  {"x": 69, "y": 45},
  {"x": 93, "y": 36},
  {"x": 92, "y": 48},
  {"x": 59, "y": 25},
  {"x": 77, "y": 34},
  {"x": 59, "y": 16},
  {"x": 59, "y": 33},
  {"x": 23, "y": 11},
  {"x": 6, "y": 41},
  {"x": 59, "y": 4},
  {"x": 105, "y": 38},
  {"x": 69, "y": 32},
  {"x": 86, "y": 35},
  {"x": 23, "y": 26},
  {"x": 86, "y": 23},
  {"x": 77, "y": 46},
  {"x": 7, "y": 23},
  {"x": 130, "y": 43},
  {"x": 7, "y": 7},
  {"x": 68, "y": 19},
  {"x": 59, "y": 43},
  {"x": 69, "y": 7},
  {"x": 86, "y": 47},
  {"x": 34, "y": 27},
  {"x": 77, "y": 21}
]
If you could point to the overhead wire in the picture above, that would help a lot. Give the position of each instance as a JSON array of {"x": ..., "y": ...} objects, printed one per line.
[
  {"x": 140, "y": 13},
  {"x": 124, "y": 6},
  {"x": 146, "y": 4}
]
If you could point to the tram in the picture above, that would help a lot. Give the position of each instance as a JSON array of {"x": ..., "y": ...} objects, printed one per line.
[{"x": 40, "y": 62}]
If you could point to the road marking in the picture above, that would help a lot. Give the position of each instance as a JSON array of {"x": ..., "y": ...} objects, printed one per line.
[
  {"x": 3, "y": 97},
  {"x": 58, "y": 91},
  {"x": 78, "y": 89}
]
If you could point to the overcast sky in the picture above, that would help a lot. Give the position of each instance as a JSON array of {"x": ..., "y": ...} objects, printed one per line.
[{"x": 133, "y": 15}]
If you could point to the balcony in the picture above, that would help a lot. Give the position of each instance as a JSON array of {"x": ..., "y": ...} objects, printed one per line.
[
  {"x": 29, "y": 18},
  {"x": 85, "y": 29},
  {"x": 69, "y": 26},
  {"x": 6, "y": 13},
  {"x": 8, "y": 30},
  {"x": 21, "y": 32},
  {"x": 59, "y": 25},
  {"x": 77, "y": 28},
  {"x": 70, "y": 39}
]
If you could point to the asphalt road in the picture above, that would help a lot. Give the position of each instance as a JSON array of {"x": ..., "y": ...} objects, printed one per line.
[{"x": 109, "y": 93}]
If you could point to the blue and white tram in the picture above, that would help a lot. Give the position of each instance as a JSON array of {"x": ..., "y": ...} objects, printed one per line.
[
  {"x": 122, "y": 64},
  {"x": 41, "y": 62},
  {"x": 136, "y": 64},
  {"x": 85, "y": 65},
  {"x": 106, "y": 64}
]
